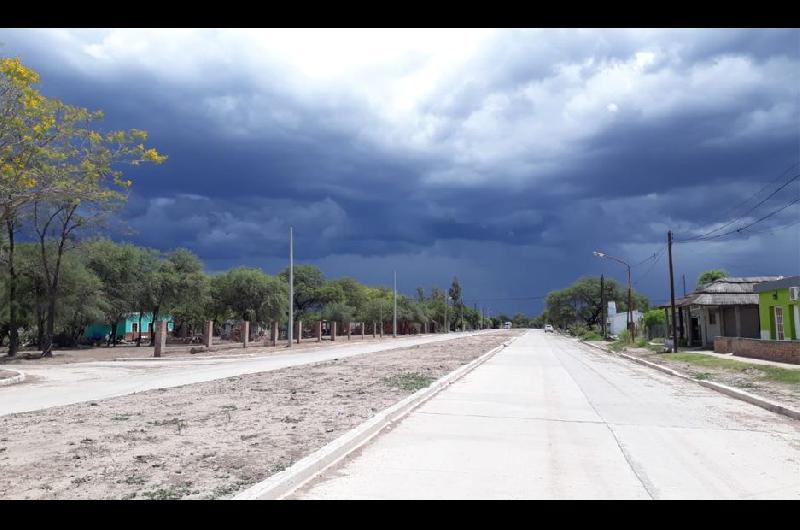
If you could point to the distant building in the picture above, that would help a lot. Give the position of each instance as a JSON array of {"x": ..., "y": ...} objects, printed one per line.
[
  {"x": 779, "y": 308},
  {"x": 728, "y": 307},
  {"x": 618, "y": 322},
  {"x": 127, "y": 330},
  {"x": 507, "y": 325}
]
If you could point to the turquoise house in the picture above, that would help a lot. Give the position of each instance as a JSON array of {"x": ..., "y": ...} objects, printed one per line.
[{"x": 127, "y": 330}]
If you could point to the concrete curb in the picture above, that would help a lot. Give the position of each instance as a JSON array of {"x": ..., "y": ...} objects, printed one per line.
[
  {"x": 719, "y": 387},
  {"x": 14, "y": 379},
  {"x": 284, "y": 483}
]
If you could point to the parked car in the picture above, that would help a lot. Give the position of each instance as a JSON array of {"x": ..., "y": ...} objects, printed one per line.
[{"x": 548, "y": 329}]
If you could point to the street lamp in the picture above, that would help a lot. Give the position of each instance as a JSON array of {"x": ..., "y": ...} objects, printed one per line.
[{"x": 631, "y": 327}]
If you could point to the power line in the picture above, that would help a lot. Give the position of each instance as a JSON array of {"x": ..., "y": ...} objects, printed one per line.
[
  {"x": 768, "y": 197},
  {"x": 741, "y": 229},
  {"x": 756, "y": 194},
  {"x": 657, "y": 259}
]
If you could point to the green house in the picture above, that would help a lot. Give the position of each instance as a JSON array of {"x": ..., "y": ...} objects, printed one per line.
[
  {"x": 779, "y": 309},
  {"x": 127, "y": 330}
]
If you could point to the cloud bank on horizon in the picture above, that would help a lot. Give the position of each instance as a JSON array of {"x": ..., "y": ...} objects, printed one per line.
[{"x": 501, "y": 156}]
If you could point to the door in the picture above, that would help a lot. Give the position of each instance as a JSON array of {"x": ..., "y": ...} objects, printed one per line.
[
  {"x": 779, "y": 323},
  {"x": 696, "y": 340}
]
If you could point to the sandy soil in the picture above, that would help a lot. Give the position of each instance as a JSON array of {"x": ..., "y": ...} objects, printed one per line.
[
  {"x": 211, "y": 440},
  {"x": 176, "y": 351},
  {"x": 4, "y": 374},
  {"x": 751, "y": 381}
]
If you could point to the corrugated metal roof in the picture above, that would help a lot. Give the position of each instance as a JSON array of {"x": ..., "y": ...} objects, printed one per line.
[
  {"x": 725, "y": 291},
  {"x": 791, "y": 281}
]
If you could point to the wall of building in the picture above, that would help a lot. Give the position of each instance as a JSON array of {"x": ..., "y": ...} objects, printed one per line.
[
  {"x": 770, "y": 350},
  {"x": 767, "y": 301}
]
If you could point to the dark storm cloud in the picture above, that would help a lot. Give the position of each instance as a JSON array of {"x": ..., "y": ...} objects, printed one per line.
[{"x": 510, "y": 204}]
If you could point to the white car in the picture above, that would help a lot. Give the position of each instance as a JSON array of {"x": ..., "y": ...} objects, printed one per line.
[{"x": 548, "y": 328}]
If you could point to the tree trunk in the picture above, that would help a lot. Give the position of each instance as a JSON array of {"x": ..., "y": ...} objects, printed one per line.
[
  {"x": 13, "y": 325},
  {"x": 139, "y": 338},
  {"x": 154, "y": 323},
  {"x": 47, "y": 347}
]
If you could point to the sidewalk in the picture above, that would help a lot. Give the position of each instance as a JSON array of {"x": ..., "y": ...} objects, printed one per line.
[{"x": 748, "y": 359}]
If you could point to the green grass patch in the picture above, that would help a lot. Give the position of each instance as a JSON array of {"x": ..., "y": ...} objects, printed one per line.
[
  {"x": 176, "y": 491},
  {"x": 409, "y": 381},
  {"x": 771, "y": 373}
]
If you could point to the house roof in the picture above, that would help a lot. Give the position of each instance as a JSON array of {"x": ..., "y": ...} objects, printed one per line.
[
  {"x": 726, "y": 291},
  {"x": 790, "y": 281}
]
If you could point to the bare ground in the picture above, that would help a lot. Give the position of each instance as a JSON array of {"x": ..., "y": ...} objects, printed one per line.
[{"x": 211, "y": 440}]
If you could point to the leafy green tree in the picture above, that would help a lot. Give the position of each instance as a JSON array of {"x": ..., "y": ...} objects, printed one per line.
[
  {"x": 308, "y": 280},
  {"x": 710, "y": 276},
  {"x": 338, "y": 312},
  {"x": 117, "y": 268},
  {"x": 249, "y": 294},
  {"x": 580, "y": 303},
  {"x": 175, "y": 283}
]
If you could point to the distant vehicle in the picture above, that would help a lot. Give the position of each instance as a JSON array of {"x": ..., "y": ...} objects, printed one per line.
[
  {"x": 507, "y": 325},
  {"x": 548, "y": 328}
]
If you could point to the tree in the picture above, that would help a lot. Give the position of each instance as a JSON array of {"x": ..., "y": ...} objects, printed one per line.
[
  {"x": 174, "y": 283},
  {"x": 308, "y": 280},
  {"x": 580, "y": 303},
  {"x": 655, "y": 321},
  {"x": 455, "y": 296},
  {"x": 57, "y": 167},
  {"x": 117, "y": 268},
  {"x": 249, "y": 294},
  {"x": 710, "y": 276}
]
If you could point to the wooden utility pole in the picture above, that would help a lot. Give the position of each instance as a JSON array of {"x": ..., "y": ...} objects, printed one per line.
[
  {"x": 672, "y": 295},
  {"x": 684, "y": 284},
  {"x": 602, "y": 306}
]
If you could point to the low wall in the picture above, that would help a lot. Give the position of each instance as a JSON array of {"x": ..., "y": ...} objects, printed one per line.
[{"x": 770, "y": 350}]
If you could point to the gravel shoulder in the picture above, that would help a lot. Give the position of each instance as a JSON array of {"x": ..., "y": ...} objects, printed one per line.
[{"x": 214, "y": 439}]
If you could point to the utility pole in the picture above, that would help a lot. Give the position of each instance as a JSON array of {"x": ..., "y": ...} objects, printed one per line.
[
  {"x": 290, "y": 331},
  {"x": 672, "y": 296},
  {"x": 630, "y": 320},
  {"x": 394, "y": 315},
  {"x": 603, "y": 306},
  {"x": 684, "y": 284}
]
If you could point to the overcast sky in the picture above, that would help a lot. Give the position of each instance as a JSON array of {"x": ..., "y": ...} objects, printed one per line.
[{"x": 503, "y": 157}]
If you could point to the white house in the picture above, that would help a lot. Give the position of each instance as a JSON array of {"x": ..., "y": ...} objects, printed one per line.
[{"x": 618, "y": 322}]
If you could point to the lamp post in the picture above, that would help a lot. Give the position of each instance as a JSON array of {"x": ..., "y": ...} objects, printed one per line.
[{"x": 631, "y": 328}]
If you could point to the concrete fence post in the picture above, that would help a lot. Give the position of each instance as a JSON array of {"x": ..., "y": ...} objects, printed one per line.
[
  {"x": 245, "y": 333},
  {"x": 319, "y": 331},
  {"x": 374, "y": 330},
  {"x": 362, "y": 331},
  {"x": 333, "y": 330},
  {"x": 299, "y": 331},
  {"x": 349, "y": 329},
  {"x": 274, "y": 332},
  {"x": 208, "y": 333},
  {"x": 161, "y": 337}
]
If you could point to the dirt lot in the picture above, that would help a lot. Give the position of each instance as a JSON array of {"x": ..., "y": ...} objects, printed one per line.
[
  {"x": 211, "y": 440},
  {"x": 752, "y": 380},
  {"x": 176, "y": 351}
]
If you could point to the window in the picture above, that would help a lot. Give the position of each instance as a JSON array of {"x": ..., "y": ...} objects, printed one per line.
[
  {"x": 779, "y": 323},
  {"x": 794, "y": 293},
  {"x": 135, "y": 327},
  {"x": 712, "y": 317}
]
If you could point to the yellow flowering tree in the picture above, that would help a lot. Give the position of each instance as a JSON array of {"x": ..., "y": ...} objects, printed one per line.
[{"x": 60, "y": 172}]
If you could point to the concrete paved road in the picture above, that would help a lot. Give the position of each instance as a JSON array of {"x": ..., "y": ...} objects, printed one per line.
[
  {"x": 54, "y": 385},
  {"x": 548, "y": 418}
]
